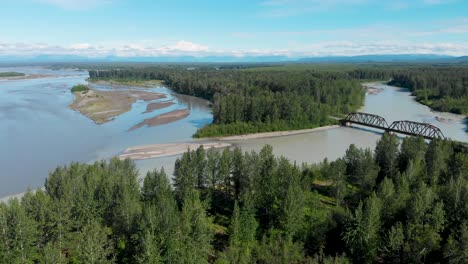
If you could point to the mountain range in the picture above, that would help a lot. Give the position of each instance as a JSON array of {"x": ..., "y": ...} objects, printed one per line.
[{"x": 233, "y": 59}]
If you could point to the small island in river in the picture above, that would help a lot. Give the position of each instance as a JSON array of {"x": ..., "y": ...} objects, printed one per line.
[
  {"x": 163, "y": 119},
  {"x": 11, "y": 76},
  {"x": 103, "y": 106},
  {"x": 159, "y": 105}
]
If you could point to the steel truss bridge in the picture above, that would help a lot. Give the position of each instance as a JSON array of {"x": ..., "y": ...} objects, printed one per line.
[{"x": 405, "y": 127}]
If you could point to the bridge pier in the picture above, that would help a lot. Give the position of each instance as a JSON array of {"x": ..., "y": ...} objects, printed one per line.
[{"x": 344, "y": 123}]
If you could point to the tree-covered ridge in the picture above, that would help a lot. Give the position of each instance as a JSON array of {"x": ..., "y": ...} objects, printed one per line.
[
  {"x": 258, "y": 101},
  {"x": 441, "y": 88},
  {"x": 402, "y": 203}
]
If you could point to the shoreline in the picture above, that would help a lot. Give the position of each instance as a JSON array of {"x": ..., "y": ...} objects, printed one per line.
[
  {"x": 28, "y": 77},
  {"x": 165, "y": 150},
  {"x": 152, "y": 151},
  {"x": 272, "y": 134},
  {"x": 128, "y": 83},
  {"x": 440, "y": 116}
]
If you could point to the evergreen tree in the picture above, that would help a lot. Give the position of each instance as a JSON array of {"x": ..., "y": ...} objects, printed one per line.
[
  {"x": 456, "y": 250},
  {"x": 159, "y": 222},
  {"x": 386, "y": 155},
  {"x": 95, "y": 246},
  {"x": 362, "y": 236},
  {"x": 195, "y": 231}
]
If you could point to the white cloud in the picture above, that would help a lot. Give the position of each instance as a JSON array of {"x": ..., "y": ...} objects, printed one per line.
[
  {"x": 185, "y": 48},
  {"x": 75, "y": 4}
]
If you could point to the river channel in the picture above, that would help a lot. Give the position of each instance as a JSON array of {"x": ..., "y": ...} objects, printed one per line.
[{"x": 39, "y": 132}]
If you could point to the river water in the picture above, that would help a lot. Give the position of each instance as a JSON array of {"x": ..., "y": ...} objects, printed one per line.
[{"x": 39, "y": 132}]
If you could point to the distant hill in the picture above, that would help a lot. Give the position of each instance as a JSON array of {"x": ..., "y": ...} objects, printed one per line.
[
  {"x": 462, "y": 59},
  {"x": 379, "y": 58},
  {"x": 235, "y": 59}
]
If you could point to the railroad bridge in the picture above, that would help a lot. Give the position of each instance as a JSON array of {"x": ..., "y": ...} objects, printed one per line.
[{"x": 405, "y": 127}]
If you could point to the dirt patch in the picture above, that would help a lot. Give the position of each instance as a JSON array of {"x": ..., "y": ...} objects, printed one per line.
[
  {"x": 103, "y": 106},
  {"x": 164, "y": 150},
  {"x": 163, "y": 119},
  {"x": 372, "y": 90},
  {"x": 155, "y": 106}
]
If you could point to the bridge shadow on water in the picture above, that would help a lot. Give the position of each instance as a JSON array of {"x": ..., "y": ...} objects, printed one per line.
[{"x": 365, "y": 129}]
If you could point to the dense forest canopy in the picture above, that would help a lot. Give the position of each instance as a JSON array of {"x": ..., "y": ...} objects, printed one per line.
[
  {"x": 444, "y": 89},
  {"x": 404, "y": 202},
  {"x": 258, "y": 101},
  {"x": 249, "y": 98}
]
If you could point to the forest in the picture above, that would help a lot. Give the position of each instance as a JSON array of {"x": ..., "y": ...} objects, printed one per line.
[
  {"x": 251, "y": 98},
  {"x": 403, "y": 202},
  {"x": 443, "y": 89},
  {"x": 257, "y": 101}
]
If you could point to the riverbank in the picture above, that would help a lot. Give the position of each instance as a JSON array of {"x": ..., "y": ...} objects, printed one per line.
[
  {"x": 26, "y": 77},
  {"x": 273, "y": 134},
  {"x": 103, "y": 106},
  {"x": 126, "y": 83},
  {"x": 165, "y": 150}
]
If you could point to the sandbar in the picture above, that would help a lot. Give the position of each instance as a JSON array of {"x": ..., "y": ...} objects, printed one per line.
[
  {"x": 26, "y": 77},
  {"x": 103, "y": 106},
  {"x": 275, "y": 134},
  {"x": 163, "y": 119},
  {"x": 164, "y": 150},
  {"x": 158, "y": 105}
]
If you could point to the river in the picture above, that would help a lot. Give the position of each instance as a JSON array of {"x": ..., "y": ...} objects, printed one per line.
[{"x": 39, "y": 132}]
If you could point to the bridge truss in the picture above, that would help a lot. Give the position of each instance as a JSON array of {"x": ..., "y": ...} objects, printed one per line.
[
  {"x": 416, "y": 128},
  {"x": 406, "y": 127}
]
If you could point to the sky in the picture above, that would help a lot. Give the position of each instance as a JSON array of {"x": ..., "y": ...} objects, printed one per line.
[{"x": 292, "y": 28}]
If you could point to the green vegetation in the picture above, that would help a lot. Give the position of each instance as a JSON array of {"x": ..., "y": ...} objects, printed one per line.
[
  {"x": 238, "y": 128},
  {"x": 402, "y": 203},
  {"x": 79, "y": 88},
  {"x": 261, "y": 98},
  {"x": 129, "y": 82},
  {"x": 443, "y": 89},
  {"x": 259, "y": 101},
  {"x": 11, "y": 74}
]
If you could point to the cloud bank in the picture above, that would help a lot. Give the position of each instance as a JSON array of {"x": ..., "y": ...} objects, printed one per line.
[{"x": 186, "y": 48}]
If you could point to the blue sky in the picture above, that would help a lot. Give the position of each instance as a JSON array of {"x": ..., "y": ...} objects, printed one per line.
[{"x": 294, "y": 28}]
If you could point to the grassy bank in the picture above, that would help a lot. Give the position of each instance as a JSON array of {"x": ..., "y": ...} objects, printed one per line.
[
  {"x": 127, "y": 82},
  {"x": 457, "y": 106},
  {"x": 242, "y": 128},
  {"x": 11, "y": 74}
]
